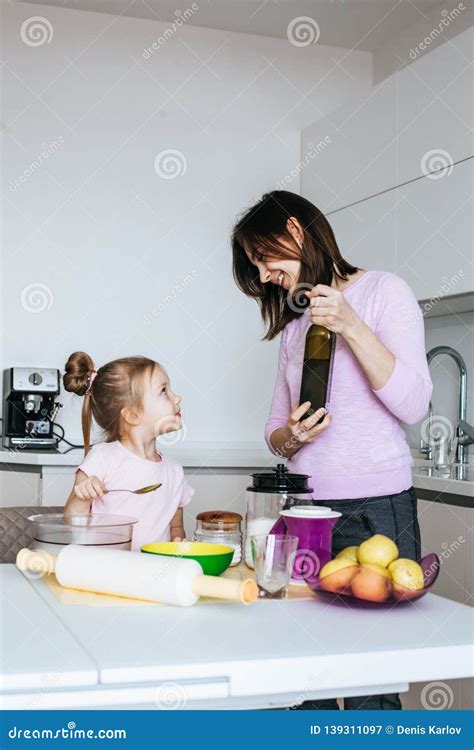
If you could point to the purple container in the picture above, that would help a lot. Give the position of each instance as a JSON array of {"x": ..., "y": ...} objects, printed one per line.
[{"x": 313, "y": 526}]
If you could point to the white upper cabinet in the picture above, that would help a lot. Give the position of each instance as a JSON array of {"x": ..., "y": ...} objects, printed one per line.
[
  {"x": 367, "y": 233},
  {"x": 435, "y": 232},
  {"x": 408, "y": 125},
  {"x": 361, "y": 157},
  {"x": 422, "y": 231},
  {"x": 436, "y": 108},
  {"x": 404, "y": 130}
]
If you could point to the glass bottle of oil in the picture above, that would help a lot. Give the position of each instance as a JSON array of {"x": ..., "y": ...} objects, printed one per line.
[{"x": 317, "y": 366}]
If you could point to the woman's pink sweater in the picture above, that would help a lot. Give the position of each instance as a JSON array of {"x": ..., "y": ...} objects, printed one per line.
[{"x": 364, "y": 452}]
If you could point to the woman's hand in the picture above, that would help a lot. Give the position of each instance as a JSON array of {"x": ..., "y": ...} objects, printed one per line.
[
  {"x": 307, "y": 430},
  {"x": 89, "y": 489},
  {"x": 288, "y": 439},
  {"x": 330, "y": 309}
]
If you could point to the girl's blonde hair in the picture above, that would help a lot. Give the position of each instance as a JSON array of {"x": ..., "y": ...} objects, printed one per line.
[{"x": 116, "y": 385}]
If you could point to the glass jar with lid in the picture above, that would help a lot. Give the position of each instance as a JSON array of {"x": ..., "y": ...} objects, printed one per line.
[
  {"x": 220, "y": 527},
  {"x": 270, "y": 493}
]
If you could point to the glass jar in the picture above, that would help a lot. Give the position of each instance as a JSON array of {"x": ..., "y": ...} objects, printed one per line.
[
  {"x": 220, "y": 527},
  {"x": 270, "y": 493}
]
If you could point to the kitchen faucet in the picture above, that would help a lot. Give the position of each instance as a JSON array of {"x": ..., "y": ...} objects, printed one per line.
[{"x": 464, "y": 431}]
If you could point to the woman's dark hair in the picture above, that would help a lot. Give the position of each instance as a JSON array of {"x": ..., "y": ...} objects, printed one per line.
[{"x": 261, "y": 230}]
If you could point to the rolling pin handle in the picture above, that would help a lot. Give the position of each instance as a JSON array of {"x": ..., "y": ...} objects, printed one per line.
[
  {"x": 226, "y": 588},
  {"x": 36, "y": 562}
]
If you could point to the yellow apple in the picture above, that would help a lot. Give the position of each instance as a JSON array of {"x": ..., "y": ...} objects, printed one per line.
[
  {"x": 407, "y": 574},
  {"x": 378, "y": 549},
  {"x": 348, "y": 552},
  {"x": 337, "y": 574},
  {"x": 373, "y": 583}
]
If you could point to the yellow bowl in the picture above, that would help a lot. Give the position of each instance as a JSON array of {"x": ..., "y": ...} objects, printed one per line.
[{"x": 213, "y": 558}]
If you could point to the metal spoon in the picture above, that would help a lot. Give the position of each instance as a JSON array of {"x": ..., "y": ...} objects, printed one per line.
[{"x": 141, "y": 491}]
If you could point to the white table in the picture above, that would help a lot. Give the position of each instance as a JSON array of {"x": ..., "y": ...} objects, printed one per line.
[{"x": 270, "y": 654}]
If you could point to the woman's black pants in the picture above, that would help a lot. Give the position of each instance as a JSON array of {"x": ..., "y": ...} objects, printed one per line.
[{"x": 396, "y": 517}]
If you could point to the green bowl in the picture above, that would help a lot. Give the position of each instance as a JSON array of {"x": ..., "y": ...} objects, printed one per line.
[{"x": 213, "y": 558}]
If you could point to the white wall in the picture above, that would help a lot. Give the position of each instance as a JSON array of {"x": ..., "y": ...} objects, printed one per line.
[{"x": 131, "y": 262}]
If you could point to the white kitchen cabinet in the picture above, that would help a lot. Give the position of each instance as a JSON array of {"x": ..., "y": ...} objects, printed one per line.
[
  {"x": 447, "y": 530},
  {"x": 367, "y": 233},
  {"x": 361, "y": 158},
  {"x": 19, "y": 488},
  {"x": 444, "y": 531},
  {"x": 405, "y": 126},
  {"x": 435, "y": 108},
  {"x": 422, "y": 231},
  {"x": 435, "y": 230}
]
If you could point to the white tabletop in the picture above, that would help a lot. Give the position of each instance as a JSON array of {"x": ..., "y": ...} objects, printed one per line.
[
  {"x": 229, "y": 651},
  {"x": 37, "y": 650}
]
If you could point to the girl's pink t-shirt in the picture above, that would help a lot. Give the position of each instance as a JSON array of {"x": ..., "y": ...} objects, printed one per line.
[
  {"x": 364, "y": 451},
  {"x": 118, "y": 468}
]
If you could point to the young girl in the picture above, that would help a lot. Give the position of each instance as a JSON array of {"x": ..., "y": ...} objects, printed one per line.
[{"x": 132, "y": 401}]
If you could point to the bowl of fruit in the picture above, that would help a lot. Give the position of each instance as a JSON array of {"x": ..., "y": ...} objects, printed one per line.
[{"x": 374, "y": 572}]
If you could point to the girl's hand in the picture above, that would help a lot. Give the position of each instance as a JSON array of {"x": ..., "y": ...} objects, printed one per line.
[
  {"x": 330, "y": 309},
  {"x": 307, "y": 430},
  {"x": 90, "y": 488}
]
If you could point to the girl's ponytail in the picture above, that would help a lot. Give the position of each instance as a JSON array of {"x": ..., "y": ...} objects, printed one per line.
[{"x": 78, "y": 378}]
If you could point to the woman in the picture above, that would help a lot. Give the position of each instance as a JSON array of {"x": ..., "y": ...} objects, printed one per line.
[{"x": 286, "y": 257}]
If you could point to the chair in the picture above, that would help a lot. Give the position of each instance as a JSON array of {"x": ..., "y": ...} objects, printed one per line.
[{"x": 16, "y": 531}]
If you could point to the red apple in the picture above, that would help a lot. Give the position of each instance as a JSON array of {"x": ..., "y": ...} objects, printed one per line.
[
  {"x": 337, "y": 575},
  {"x": 372, "y": 583}
]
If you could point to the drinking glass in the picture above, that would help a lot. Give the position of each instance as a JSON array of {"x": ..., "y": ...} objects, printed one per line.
[{"x": 273, "y": 556}]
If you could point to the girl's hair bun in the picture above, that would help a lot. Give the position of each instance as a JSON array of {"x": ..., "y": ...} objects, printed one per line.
[{"x": 78, "y": 369}]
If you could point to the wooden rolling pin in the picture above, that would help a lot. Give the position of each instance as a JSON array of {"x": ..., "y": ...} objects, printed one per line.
[{"x": 170, "y": 580}]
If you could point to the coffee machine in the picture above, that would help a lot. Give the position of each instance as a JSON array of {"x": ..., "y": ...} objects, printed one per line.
[{"x": 30, "y": 407}]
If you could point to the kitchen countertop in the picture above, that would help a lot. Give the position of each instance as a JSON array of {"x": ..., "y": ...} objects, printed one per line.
[
  {"x": 454, "y": 487},
  {"x": 220, "y": 655},
  {"x": 190, "y": 455}
]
